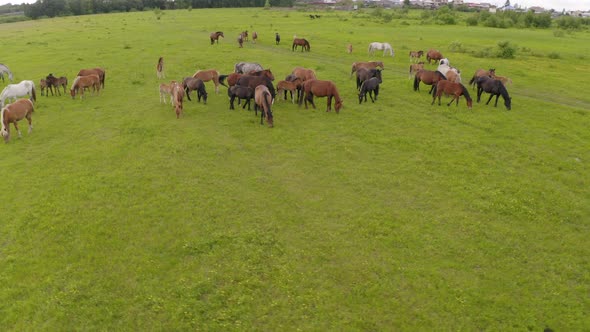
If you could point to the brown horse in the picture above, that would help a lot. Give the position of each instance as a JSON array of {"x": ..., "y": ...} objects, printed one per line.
[
  {"x": 263, "y": 100},
  {"x": 367, "y": 65},
  {"x": 428, "y": 77},
  {"x": 63, "y": 82},
  {"x": 214, "y": 36},
  {"x": 505, "y": 80},
  {"x": 415, "y": 55},
  {"x": 177, "y": 97},
  {"x": 12, "y": 113},
  {"x": 304, "y": 74},
  {"x": 301, "y": 42},
  {"x": 194, "y": 84},
  {"x": 433, "y": 55},
  {"x": 208, "y": 75},
  {"x": 291, "y": 86},
  {"x": 480, "y": 73},
  {"x": 349, "y": 48},
  {"x": 52, "y": 82},
  {"x": 453, "y": 76},
  {"x": 43, "y": 85},
  {"x": 82, "y": 82},
  {"x": 451, "y": 88},
  {"x": 320, "y": 88},
  {"x": 241, "y": 40},
  {"x": 98, "y": 71},
  {"x": 244, "y": 35},
  {"x": 264, "y": 72},
  {"x": 414, "y": 68},
  {"x": 254, "y": 36},
  {"x": 160, "y": 68}
]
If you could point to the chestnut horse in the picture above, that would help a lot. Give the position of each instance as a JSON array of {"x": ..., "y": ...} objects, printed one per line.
[
  {"x": 304, "y": 74},
  {"x": 451, "y": 88},
  {"x": 208, "y": 75},
  {"x": 263, "y": 100},
  {"x": 98, "y": 71},
  {"x": 291, "y": 86},
  {"x": 214, "y": 36},
  {"x": 301, "y": 42},
  {"x": 82, "y": 82},
  {"x": 415, "y": 55},
  {"x": 12, "y": 113},
  {"x": 177, "y": 97},
  {"x": 433, "y": 55},
  {"x": 160, "y": 68},
  {"x": 43, "y": 85},
  {"x": 321, "y": 88},
  {"x": 428, "y": 77},
  {"x": 367, "y": 65}
]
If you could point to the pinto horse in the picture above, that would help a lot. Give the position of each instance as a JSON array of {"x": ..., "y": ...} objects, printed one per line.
[
  {"x": 209, "y": 75},
  {"x": 82, "y": 82},
  {"x": 300, "y": 42},
  {"x": 12, "y": 113},
  {"x": 194, "y": 84},
  {"x": 263, "y": 100},
  {"x": 98, "y": 71},
  {"x": 433, "y": 55},
  {"x": 214, "y": 36},
  {"x": 160, "y": 68},
  {"x": 428, "y": 77},
  {"x": 377, "y": 46},
  {"x": 451, "y": 88},
  {"x": 18, "y": 90},
  {"x": 4, "y": 69},
  {"x": 321, "y": 88},
  {"x": 494, "y": 88},
  {"x": 368, "y": 65}
]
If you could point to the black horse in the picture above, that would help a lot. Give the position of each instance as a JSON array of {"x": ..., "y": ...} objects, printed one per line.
[
  {"x": 494, "y": 88},
  {"x": 277, "y": 38},
  {"x": 240, "y": 92},
  {"x": 363, "y": 74},
  {"x": 370, "y": 86},
  {"x": 190, "y": 83},
  {"x": 254, "y": 81}
]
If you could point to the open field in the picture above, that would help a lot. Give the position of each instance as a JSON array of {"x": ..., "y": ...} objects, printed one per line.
[{"x": 396, "y": 215}]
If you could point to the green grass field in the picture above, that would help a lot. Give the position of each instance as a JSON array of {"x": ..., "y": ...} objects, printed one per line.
[{"x": 396, "y": 215}]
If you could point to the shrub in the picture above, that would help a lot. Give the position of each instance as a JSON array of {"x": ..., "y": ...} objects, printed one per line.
[
  {"x": 554, "y": 55},
  {"x": 558, "y": 33},
  {"x": 457, "y": 46},
  {"x": 471, "y": 21},
  {"x": 505, "y": 50}
]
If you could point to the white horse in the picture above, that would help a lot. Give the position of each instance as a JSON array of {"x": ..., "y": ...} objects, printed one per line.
[
  {"x": 18, "y": 90},
  {"x": 445, "y": 66},
  {"x": 4, "y": 69},
  {"x": 380, "y": 46},
  {"x": 246, "y": 67}
]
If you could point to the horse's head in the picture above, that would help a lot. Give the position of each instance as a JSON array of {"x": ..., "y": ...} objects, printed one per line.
[
  {"x": 73, "y": 93},
  {"x": 508, "y": 103},
  {"x": 338, "y": 105},
  {"x": 269, "y": 74}
]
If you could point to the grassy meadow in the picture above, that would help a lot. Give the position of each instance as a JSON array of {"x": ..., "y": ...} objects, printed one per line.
[{"x": 393, "y": 215}]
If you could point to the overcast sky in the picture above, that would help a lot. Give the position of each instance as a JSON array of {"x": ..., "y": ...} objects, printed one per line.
[{"x": 548, "y": 4}]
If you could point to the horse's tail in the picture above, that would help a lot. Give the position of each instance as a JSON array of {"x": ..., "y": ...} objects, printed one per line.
[
  {"x": 265, "y": 97},
  {"x": 33, "y": 94},
  {"x": 472, "y": 80},
  {"x": 416, "y": 82},
  {"x": 434, "y": 89},
  {"x": 3, "y": 131},
  {"x": 221, "y": 79}
]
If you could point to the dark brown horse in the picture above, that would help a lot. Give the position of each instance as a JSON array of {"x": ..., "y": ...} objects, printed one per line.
[
  {"x": 208, "y": 75},
  {"x": 194, "y": 84},
  {"x": 368, "y": 65},
  {"x": 321, "y": 88},
  {"x": 428, "y": 77},
  {"x": 214, "y": 36},
  {"x": 52, "y": 82},
  {"x": 453, "y": 89},
  {"x": 263, "y": 100},
  {"x": 254, "y": 36},
  {"x": 244, "y": 35},
  {"x": 98, "y": 71},
  {"x": 301, "y": 42},
  {"x": 12, "y": 113},
  {"x": 433, "y": 55},
  {"x": 160, "y": 68},
  {"x": 495, "y": 88},
  {"x": 254, "y": 81},
  {"x": 240, "y": 92}
]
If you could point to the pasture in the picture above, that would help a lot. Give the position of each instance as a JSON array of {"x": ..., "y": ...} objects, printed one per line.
[{"x": 393, "y": 215}]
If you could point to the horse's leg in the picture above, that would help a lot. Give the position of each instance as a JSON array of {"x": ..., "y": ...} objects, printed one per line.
[
  {"x": 231, "y": 102},
  {"x": 479, "y": 92},
  {"x": 30, "y": 119},
  {"x": 16, "y": 127},
  {"x": 431, "y": 88},
  {"x": 492, "y": 96},
  {"x": 496, "y": 104},
  {"x": 188, "y": 93},
  {"x": 329, "y": 103}
]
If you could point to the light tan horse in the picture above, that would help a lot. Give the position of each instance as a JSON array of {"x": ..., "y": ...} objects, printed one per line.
[
  {"x": 304, "y": 74},
  {"x": 263, "y": 101},
  {"x": 415, "y": 67},
  {"x": 166, "y": 91},
  {"x": 43, "y": 85},
  {"x": 12, "y": 113},
  {"x": 160, "y": 68},
  {"x": 98, "y": 71},
  {"x": 505, "y": 80},
  {"x": 366, "y": 65},
  {"x": 178, "y": 97},
  {"x": 81, "y": 82},
  {"x": 209, "y": 75},
  {"x": 349, "y": 48}
]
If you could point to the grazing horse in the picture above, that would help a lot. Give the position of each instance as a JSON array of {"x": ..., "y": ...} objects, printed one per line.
[
  {"x": 372, "y": 87},
  {"x": 98, "y": 71},
  {"x": 376, "y": 46},
  {"x": 349, "y": 48},
  {"x": 214, "y": 36},
  {"x": 4, "y": 69},
  {"x": 300, "y": 42},
  {"x": 51, "y": 82},
  {"x": 12, "y": 113},
  {"x": 451, "y": 88},
  {"x": 365, "y": 74},
  {"x": 428, "y": 77},
  {"x": 414, "y": 68},
  {"x": 241, "y": 41},
  {"x": 246, "y": 67},
  {"x": 191, "y": 84},
  {"x": 240, "y": 92},
  {"x": 160, "y": 68},
  {"x": 254, "y": 81},
  {"x": 367, "y": 65},
  {"x": 433, "y": 55},
  {"x": 291, "y": 86},
  {"x": 254, "y": 36},
  {"x": 82, "y": 82},
  {"x": 445, "y": 68},
  {"x": 415, "y": 55},
  {"x": 177, "y": 97},
  {"x": 264, "y": 72},
  {"x": 277, "y": 38},
  {"x": 166, "y": 91},
  {"x": 209, "y": 75},
  {"x": 263, "y": 100},
  {"x": 481, "y": 73},
  {"x": 321, "y": 88},
  {"x": 304, "y": 74},
  {"x": 494, "y": 88},
  {"x": 18, "y": 90}
]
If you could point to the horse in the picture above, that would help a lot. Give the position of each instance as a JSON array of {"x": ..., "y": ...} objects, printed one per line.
[
  {"x": 51, "y": 82},
  {"x": 263, "y": 100},
  {"x": 12, "y": 113},
  {"x": 82, "y": 82},
  {"x": 98, "y": 71},
  {"x": 208, "y": 75},
  {"x": 304, "y": 73},
  {"x": 246, "y": 67},
  {"x": 165, "y": 91},
  {"x": 372, "y": 87},
  {"x": 429, "y": 77},
  {"x": 43, "y": 85},
  {"x": 494, "y": 88},
  {"x": 160, "y": 68},
  {"x": 254, "y": 81},
  {"x": 321, "y": 88},
  {"x": 298, "y": 81},
  {"x": 18, "y": 90},
  {"x": 414, "y": 68},
  {"x": 232, "y": 79},
  {"x": 244, "y": 35},
  {"x": 433, "y": 55},
  {"x": 264, "y": 72},
  {"x": 240, "y": 92},
  {"x": 365, "y": 74},
  {"x": 415, "y": 55},
  {"x": 376, "y": 46},
  {"x": 480, "y": 73},
  {"x": 214, "y": 36},
  {"x": 190, "y": 83},
  {"x": 277, "y": 38},
  {"x": 254, "y": 37},
  {"x": 177, "y": 97},
  {"x": 451, "y": 88},
  {"x": 301, "y": 42},
  {"x": 4, "y": 69},
  {"x": 291, "y": 86},
  {"x": 349, "y": 48},
  {"x": 367, "y": 65},
  {"x": 453, "y": 76},
  {"x": 63, "y": 82},
  {"x": 445, "y": 68},
  {"x": 241, "y": 41}
]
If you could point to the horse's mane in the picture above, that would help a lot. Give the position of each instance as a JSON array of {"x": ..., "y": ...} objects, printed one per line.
[
  {"x": 75, "y": 82},
  {"x": 502, "y": 90},
  {"x": 443, "y": 75},
  {"x": 465, "y": 92}
]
